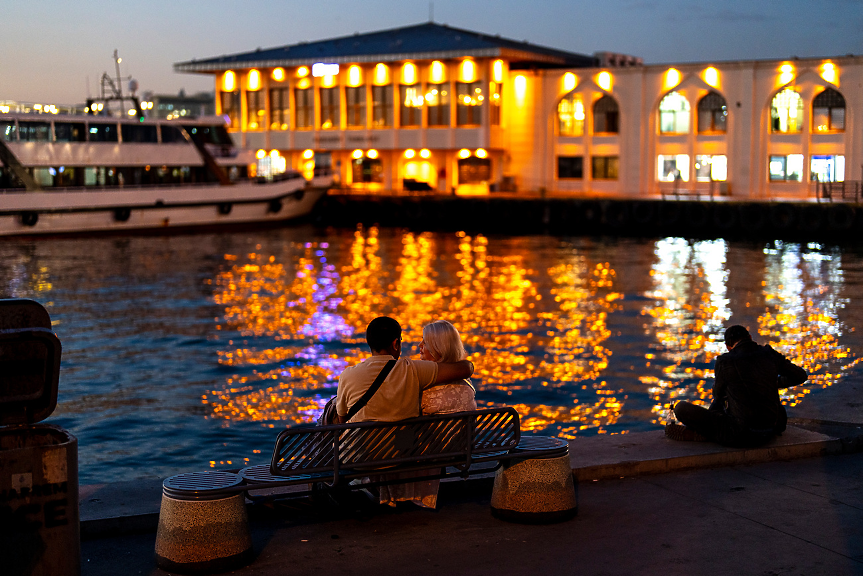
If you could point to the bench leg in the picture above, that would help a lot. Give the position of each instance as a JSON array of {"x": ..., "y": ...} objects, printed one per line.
[
  {"x": 203, "y": 536},
  {"x": 537, "y": 490}
]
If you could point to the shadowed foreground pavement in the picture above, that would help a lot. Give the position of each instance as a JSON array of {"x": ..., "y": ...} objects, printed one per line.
[{"x": 800, "y": 517}]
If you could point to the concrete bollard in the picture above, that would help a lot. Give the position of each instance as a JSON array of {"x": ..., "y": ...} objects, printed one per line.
[
  {"x": 535, "y": 491},
  {"x": 197, "y": 536}
]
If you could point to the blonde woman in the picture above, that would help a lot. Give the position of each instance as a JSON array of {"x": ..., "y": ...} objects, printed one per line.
[{"x": 442, "y": 343}]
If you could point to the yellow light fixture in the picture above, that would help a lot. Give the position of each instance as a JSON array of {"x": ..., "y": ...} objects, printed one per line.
[
  {"x": 308, "y": 154},
  {"x": 229, "y": 81},
  {"x": 278, "y": 74},
  {"x": 603, "y": 80},
  {"x": 497, "y": 71},
  {"x": 464, "y": 153},
  {"x": 131, "y": 111},
  {"x": 382, "y": 74},
  {"x": 520, "y": 87},
  {"x": 372, "y": 153},
  {"x": 481, "y": 153},
  {"x": 438, "y": 72},
  {"x": 302, "y": 71},
  {"x": 254, "y": 81},
  {"x": 328, "y": 81},
  {"x": 260, "y": 154},
  {"x": 274, "y": 154},
  {"x": 468, "y": 71},
  {"x": 828, "y": 72},
  {"x": 672, "y": 78},
  {"x": 425, "y": 153},
  {"x": 786, "y": 73},
  {"x": 711, "y": 77},
  {"x": 355, "y": 76},
  {"x": 357, "y": 154},
  {"x": 304, "y": 83},
  {"x": 410, "y": 153},
  {"x": 569, "y": 82},
  {"x": 409, "y": 73}
]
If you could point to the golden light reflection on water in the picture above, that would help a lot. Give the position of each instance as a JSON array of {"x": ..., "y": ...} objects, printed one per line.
[
  {"x": 536, "y": 328},
  {"x": 518, "y": 337},
  {"x": 801, "y": 293},
  {"x": 689, "y": 311}
]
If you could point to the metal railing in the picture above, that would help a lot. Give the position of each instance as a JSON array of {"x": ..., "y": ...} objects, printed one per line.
[{"x": 847, "y": 191}]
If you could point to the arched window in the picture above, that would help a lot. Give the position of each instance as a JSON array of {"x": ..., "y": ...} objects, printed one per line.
[
  {"x": 712, "y": 113},
  {"x": 605, "y": 116},
  {"x": 828, "y": 112},
  {"x": 786, "y": 113},
  {"x": 674, "y": 114},
  {"x": 570, "y": 115}
]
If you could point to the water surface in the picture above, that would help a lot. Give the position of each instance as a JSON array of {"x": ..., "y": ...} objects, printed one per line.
[{"x": 189, "y": 352}]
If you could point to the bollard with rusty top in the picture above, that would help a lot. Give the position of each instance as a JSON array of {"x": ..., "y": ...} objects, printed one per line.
[{"x": 39, "y": 530}]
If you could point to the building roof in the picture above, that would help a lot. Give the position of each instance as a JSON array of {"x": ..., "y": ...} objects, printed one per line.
[{"x": 419, "y": 42}]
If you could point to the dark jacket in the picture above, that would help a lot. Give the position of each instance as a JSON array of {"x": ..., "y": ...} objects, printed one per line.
[{"x": 748, "y": 379}]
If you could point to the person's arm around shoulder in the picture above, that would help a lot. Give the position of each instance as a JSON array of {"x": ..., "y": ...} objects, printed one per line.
[
  {"x": 447, "y": 371},
  {"x": 790, "y": 374}
]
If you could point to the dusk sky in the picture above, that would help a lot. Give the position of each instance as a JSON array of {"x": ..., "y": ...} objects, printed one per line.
[{"x": 55, "y": 51}]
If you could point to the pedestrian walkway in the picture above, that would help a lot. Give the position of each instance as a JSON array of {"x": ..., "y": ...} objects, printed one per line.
[
  {"x": 796, "y": 517},
  {"x": 647, "y": 505}
]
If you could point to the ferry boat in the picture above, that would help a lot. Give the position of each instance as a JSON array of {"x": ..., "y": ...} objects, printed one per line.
[{"x": 88, "y": 173}]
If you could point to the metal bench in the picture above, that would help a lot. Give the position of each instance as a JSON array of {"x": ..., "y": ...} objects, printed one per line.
[{"x": 328, "y": 457}]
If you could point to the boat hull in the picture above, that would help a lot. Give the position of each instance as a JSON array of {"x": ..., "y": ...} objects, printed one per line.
[{"x": 115, "y": 210}]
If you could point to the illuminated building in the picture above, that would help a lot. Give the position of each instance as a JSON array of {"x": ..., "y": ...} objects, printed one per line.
[{"x": 545, "y": 119}]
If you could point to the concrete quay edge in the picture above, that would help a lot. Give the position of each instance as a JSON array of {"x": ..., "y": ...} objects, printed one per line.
[{"x": 133, "y": 506}]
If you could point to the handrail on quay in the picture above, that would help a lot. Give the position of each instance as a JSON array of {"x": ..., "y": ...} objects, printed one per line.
[{"x": 847, "y": 191}]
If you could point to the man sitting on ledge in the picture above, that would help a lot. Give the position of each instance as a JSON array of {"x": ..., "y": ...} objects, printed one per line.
[{"x": 746, "y": 409}]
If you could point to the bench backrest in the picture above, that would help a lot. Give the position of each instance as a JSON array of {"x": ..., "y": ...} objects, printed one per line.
[{"x": 442, "y": 437}]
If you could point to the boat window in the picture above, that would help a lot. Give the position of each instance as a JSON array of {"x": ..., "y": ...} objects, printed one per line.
[
  {"x": 172, "y": 135},
  {"x": 138, "y": 133},
  {"x": 34, "y": 131},
  {"x": 70, "y": 132},
  {"x": 210, "y": 135},
  {"x": 102, "y": 132},
  {"x": 8, "y": 131}
]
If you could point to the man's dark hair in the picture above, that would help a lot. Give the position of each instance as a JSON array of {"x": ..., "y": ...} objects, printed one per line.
[
  {"x": 735, "y": 334},
  {"x": 381, "y": 332}
]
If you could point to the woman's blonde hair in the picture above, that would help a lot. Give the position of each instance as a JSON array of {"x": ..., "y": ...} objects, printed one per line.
[{"x": 443, "y": 341}]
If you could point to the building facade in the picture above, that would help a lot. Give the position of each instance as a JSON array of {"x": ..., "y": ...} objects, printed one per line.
[{"x": 430, "y": 107}]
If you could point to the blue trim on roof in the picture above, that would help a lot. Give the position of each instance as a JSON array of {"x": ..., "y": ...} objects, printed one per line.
[{"x": 427, "y": 38}]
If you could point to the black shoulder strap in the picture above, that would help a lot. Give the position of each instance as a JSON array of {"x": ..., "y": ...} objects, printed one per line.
[{"x": 371, "y": 391}]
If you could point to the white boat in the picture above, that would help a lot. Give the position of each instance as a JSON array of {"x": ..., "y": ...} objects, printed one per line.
[{"x": 88, "y": 173}]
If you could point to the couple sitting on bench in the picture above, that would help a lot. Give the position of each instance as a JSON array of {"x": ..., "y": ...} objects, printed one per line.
[{"x": 436, "y": 384}]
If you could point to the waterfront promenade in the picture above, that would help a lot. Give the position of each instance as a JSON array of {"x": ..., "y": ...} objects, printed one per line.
[{"x": 794, "y": 507}]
